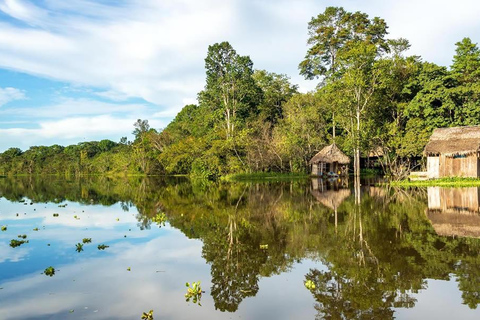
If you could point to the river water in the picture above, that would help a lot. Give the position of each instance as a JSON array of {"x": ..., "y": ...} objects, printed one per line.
[{"x": 276, "y": 250}]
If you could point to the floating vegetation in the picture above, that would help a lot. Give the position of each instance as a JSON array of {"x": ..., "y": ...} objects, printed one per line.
[
  {"x": 17, "y": 243},
  {"x": 129, "y": 269},
  {"x": 87, "y": 240},
  {"x": 147, "y": 315},
  {"x": 118, "y": 219},
  {"x": 35, "y": 229},
  {"x": 102, "y": 247},
  {"x": 76, "y": 217},
  {"x": 194, "y": 292},
  {"x": 62, "y": 205},
  {"x": 79, "y": 247},
  {"x": 310, "y": 285},
  {"x": 22, "y": 236},
  {"x": 50, "y": 271},
  {"x": 264, "y": 246},
  {"x": 4, "y": 228},
  {"x": 160, "y": 219},
  {"x": 55, "y": 214}
]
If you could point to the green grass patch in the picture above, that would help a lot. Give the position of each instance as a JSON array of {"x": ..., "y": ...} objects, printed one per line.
[
  {"x": 264, "y": 176},
  {"x": 442, "y": 182}
]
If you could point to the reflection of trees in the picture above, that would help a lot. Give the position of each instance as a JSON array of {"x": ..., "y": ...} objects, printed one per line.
[{"x": 377, "y": 254}]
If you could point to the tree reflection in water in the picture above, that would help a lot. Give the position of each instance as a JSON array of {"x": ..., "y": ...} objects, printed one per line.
[{"x": 377, "y": 244}]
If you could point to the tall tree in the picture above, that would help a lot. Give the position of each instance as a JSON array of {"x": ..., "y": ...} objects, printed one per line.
[
  {"x": 230, "y": 88},
  {"x": 343, "y": 49}
]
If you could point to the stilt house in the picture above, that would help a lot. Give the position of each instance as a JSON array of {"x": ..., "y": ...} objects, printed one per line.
[
  {"x": 454, "y": 152},
  {"x": 330, "y": 160}
]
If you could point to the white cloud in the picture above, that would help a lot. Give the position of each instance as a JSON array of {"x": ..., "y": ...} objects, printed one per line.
[
  {"x": 77, "y": 128},
  {"x": 72, "y": 131},
  {"x": 10, "y": 94},
  {"x": 69, "y": 107}
]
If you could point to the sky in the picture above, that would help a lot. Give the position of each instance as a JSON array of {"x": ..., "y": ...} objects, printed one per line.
[{"x": 83, "y": 70}]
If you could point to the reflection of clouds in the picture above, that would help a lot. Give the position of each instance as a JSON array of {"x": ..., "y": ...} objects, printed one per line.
[
  {"x": 12, "y": 254},
  {"x": 104, "y": 284},
  {"x": 96, "y": 222},
  {"x": 88, "y": 216}
]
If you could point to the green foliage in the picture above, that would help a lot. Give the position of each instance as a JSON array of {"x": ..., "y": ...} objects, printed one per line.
[
  {"x": 147, "y": 315},
  {"x": 194, "y": 292},
  {"x": 102, "y": 247},
  {"x": 50, "y": 271},
  {"x": 160, "y": 219},
  {"x": 17, "y": 243},
  {"x": 441, "y": 182},
  {"x": 79, "y": 247},
  {"x": 310, "y": 285},
  {"x": 87, "y": 240},
  {"x": 4, "y": 228}
]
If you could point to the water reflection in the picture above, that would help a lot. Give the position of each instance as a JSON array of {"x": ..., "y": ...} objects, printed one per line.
[
  {"x": 454, "y": 211},
  {"x": 368, "y": 260}
]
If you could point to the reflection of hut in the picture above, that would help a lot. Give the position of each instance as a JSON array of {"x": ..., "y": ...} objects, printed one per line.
[
  {"x": 454, "y": 211},
  {"x": 331, "y": 198},
  {"x": 330, "y": 159},
  {"x": 453, "y": 152}
]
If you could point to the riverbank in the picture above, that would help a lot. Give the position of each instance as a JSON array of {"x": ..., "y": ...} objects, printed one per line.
[
  {"x": 264, "y": 176},
  {"x": 442, "y": 182}
]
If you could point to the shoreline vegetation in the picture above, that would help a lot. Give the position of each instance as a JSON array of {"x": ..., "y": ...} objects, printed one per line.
[
  {"x": 371, "y": 101},
  {"x": 264, "y": 176},
  {"x": 441, "y": 182}
]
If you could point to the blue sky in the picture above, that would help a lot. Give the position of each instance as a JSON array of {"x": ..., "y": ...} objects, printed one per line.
[{"x": 81, "y": 70}]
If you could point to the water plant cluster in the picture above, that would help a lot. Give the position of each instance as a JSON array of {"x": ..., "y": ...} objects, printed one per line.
[{"x": 194, "y": 292}]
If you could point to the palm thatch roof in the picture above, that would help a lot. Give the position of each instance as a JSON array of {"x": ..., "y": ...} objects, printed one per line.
[
  {"x": 454, "y": 141},
  {"x": 330, "y": 154}
]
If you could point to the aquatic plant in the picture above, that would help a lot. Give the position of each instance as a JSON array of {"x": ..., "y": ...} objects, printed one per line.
[
  {"x": 310, "y": 285},
  {"x": 147, "y": 315},
  {"x": 22, "y": 236},
  {"x": 4, "y": 228},
  {"x": 194, "y": 292},
  {"x": 55, "y": 214},
  {"x": 160, "y": 219},
  {"x": 35, "y": 229},
  {"x": 102, "y": 247},
  {"x": 50, "y": 271},
  {"x": 87, "y": 240},
  {"x": 79, "y": 247},
  {"x": 17, "y": 243}
]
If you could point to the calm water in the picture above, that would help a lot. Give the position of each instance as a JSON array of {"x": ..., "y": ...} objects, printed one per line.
[{"x": 399, "y": 254}]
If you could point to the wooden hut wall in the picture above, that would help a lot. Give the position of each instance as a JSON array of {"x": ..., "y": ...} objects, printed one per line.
[
  {"x": 466, "y": 166},
  {"x": 433, "y": 167}
]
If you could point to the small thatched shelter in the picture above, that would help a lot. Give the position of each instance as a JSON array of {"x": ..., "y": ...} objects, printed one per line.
[
  {"x": 453, "y": 152},
  {"x": 330, "y": 159}
]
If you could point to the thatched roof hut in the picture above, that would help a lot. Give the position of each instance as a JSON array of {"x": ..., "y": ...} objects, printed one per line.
[
  {"x": 454, "y": 141},
  {"x": 330, "y": 154}
]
